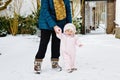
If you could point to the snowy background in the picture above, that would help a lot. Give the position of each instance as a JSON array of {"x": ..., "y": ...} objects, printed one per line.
[
  {"x": 117, "y": 12},
  {"x": 97, "y": 59},
  {"x": 28, "y": 8}
]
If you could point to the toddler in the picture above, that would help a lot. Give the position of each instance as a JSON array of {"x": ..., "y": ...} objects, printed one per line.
[{"x": 68, "y": 46}]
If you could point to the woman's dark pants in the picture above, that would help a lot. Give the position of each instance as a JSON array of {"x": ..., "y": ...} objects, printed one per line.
[{"x": 55, "y": 44}]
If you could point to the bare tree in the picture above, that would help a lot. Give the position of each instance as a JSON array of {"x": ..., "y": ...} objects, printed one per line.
[
  {"x": 3, "y": 5},
  {"x": 17, "y": 4}
]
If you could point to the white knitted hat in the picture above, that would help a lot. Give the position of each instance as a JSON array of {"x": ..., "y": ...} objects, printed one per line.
[{"x": 70, "y": 26}]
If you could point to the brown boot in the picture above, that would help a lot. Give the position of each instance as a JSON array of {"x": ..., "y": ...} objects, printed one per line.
[
  {"x": 55, "y": 64},
  {"x": 37, "y": 65}
]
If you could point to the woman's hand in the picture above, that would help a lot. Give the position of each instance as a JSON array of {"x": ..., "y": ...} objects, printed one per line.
[{"x": 57, "y": 29}]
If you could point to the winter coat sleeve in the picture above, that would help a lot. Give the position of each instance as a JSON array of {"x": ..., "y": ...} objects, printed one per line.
[
  {"x": 46, "y": 13},
  {"x": 77, "y": 41},
  {"x": 59, "y": 35}
]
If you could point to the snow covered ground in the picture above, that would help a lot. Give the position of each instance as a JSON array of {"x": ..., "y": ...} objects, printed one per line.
[{"x": 97, "y": 59}]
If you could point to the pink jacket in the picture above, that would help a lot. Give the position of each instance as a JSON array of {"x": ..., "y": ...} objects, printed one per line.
[{"x": 68, "y": 43}]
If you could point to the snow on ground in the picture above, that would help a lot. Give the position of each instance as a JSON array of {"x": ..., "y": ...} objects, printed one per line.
[{"x": 97, "y": 59}]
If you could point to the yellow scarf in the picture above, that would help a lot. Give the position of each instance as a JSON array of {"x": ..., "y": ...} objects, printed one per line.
[{"x": 59, "y": 9}]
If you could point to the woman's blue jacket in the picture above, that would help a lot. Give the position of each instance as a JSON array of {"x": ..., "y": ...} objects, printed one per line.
[{"x": 47, "y": 19}]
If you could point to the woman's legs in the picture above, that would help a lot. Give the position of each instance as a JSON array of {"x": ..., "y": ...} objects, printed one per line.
[
  {"x": 55, "y": 51},
  {"x": 45, "y": 37},
  {"x": 55, "y": 46}
]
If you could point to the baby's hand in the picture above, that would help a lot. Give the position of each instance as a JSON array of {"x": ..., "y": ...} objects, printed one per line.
[
  {"x": 57, "y": 29},
  {"x": 80, "y": 45}
]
